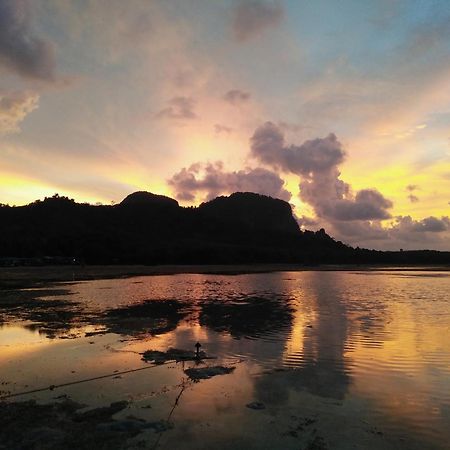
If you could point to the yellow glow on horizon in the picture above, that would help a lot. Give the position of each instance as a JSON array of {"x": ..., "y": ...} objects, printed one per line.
[
  {"x": 19, "y": 190},
  {"x": 433, "y": 187}
]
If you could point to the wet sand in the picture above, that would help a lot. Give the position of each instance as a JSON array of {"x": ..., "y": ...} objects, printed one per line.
[
  {"x": 19, "y": 277},
  {"x": 22, "y": 277}
]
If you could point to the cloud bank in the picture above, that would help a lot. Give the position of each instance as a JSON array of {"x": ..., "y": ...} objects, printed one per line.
[
  {"x": 316, "y": 163},
  {"x": 211, "y": 180},
  {"x": 356, "y": 217}
]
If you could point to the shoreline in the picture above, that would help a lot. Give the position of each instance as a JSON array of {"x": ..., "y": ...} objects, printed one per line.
[{"x": 35, "y": 276}]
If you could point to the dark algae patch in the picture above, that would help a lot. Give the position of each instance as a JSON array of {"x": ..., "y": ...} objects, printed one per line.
[
  {"x": 172, "y": 354},
  {"x": 60, "y": 425},
  {"x": 52, "y": 316},
  {"x": 204, "y": 373},
  {"x": 150, "y": 317}
]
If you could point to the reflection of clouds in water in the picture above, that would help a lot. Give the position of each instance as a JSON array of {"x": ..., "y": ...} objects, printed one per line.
[
  {"x": 357, "y": 336},
  {"x": 321, "y": 366}
]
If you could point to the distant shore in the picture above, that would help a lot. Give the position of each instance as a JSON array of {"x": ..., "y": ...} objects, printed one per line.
[{"x": 23, "y": 277}]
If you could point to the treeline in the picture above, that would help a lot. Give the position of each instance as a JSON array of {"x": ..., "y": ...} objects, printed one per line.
[{"x": 152, "y": 229}]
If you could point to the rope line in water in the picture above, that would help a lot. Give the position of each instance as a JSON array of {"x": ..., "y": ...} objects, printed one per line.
[
  {"x": 85, "y": 380},
  {"x": 183, "y": 387}
]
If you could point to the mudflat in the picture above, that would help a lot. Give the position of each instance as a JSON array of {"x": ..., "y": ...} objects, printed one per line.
[{"x": 23, "y": 276}]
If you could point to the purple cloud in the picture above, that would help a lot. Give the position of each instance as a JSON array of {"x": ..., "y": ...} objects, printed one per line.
[
  {"x": 212, "y": 180},
  {"x": 317, "y": 155},
  {"x": 316, "y": 162}
]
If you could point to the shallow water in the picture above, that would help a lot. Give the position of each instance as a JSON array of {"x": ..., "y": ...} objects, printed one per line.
[{"x": 360, "y": 359}]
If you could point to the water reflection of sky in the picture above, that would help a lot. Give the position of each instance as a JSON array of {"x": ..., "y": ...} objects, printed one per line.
[{"x": 361, "y": 348}]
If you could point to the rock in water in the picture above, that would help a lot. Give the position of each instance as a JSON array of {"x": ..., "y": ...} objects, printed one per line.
[{"x": 204, "y": 373}]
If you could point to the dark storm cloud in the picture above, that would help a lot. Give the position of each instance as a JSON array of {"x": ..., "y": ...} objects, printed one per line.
[
  {"x": 179, "y": 108},
  {"x": 252, "y": 17},
  {"x": 316, "y": 162},
  {"x": 212, "y": 180},
  {"x": 236, "y": 97},
  {"x": 20, "y": 50}
]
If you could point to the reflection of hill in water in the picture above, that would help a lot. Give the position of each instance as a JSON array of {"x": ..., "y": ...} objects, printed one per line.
[
  {"x": 53, "y": 316},
  {"x": 322, "y": 378},
  {"x": 62, "y": 318},
  {"x": 248, "y": 316},
  {"x": 150, "y": 317}
]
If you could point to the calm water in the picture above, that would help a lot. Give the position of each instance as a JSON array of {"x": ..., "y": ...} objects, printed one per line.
[{"x": 361, "y": 359}]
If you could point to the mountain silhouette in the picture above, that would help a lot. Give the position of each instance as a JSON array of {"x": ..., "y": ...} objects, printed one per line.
[
  {"x": 146, "y": 228},
  {"x": 147, "y": 199}
]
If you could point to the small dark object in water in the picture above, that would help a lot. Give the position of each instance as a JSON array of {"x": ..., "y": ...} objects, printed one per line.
[
  {"x": 61, "y": 425},
  {"x": 256, "y": 405},
  {"x": 204, "y": 373},
  {"x": 197, "y": 350},
  {"x": 172, "y": 354}
]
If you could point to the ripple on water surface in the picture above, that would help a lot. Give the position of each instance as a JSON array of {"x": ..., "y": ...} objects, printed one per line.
[{"x": 377, "y": 342}]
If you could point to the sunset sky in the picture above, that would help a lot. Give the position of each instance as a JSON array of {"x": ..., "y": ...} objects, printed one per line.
[{"x": 340, "y": 107}]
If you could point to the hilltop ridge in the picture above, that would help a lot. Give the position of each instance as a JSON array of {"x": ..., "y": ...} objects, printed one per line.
[{"x": 147, "y": 228}]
